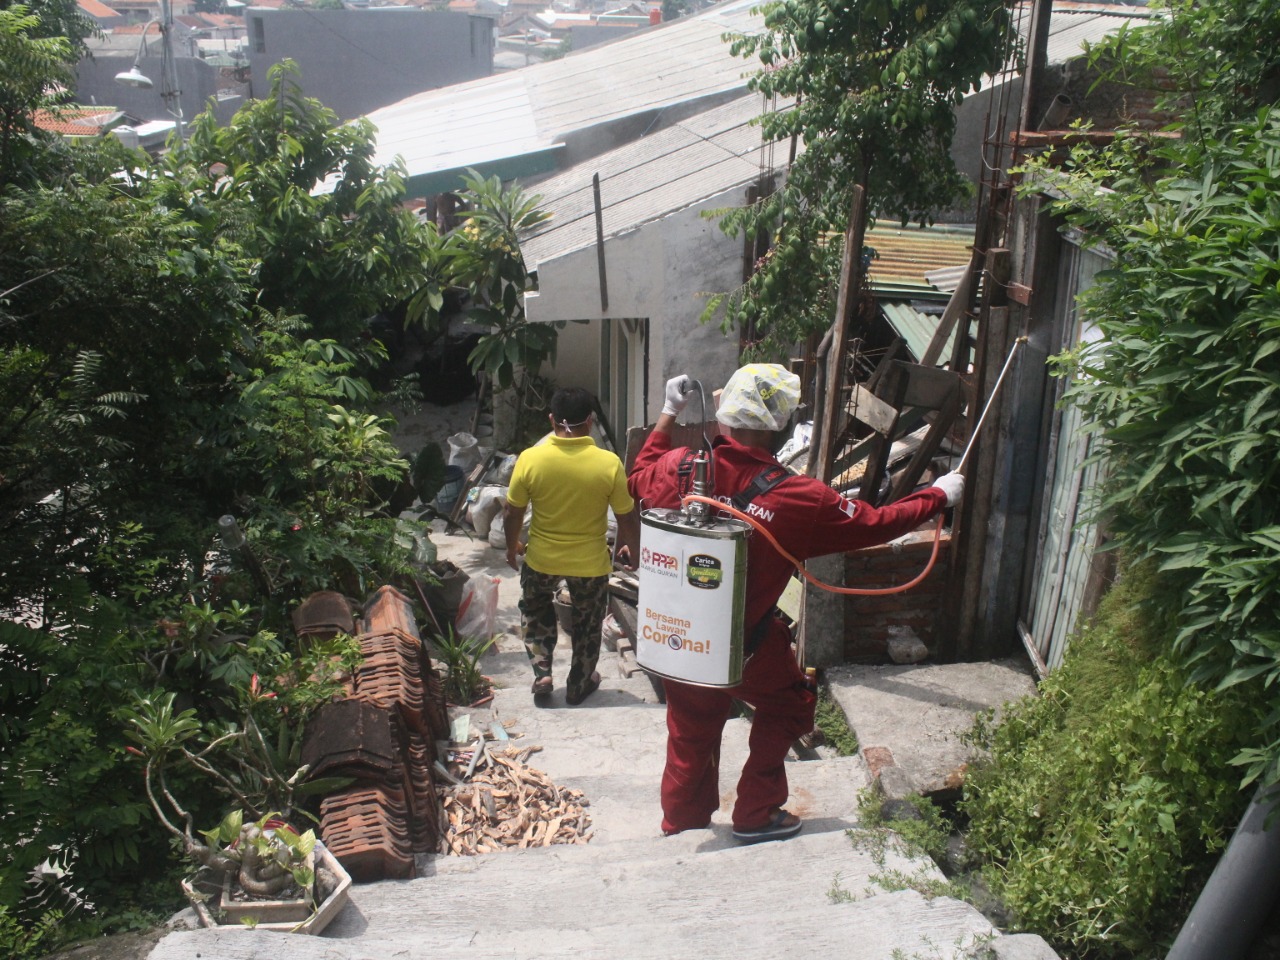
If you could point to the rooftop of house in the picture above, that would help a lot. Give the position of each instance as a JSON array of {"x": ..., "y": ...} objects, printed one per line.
[
  {"x": 78, "y": 121},
  {"x": 643, "y": 181},
  {"x": 97, "y": 9},
  {"x": 905, "y": 256},
  {"x": 514, "y": 123}
]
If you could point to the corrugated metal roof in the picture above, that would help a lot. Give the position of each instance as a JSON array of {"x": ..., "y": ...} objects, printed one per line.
[
  {"x": 515, "y": 122},
  {"x": 669, "y": 170},
  {"x": 915, "y": 327},
  {"x": 1074, "y": 24},
  {"x": 904, "y": 255},
  {"x": 531, "y": 109}
]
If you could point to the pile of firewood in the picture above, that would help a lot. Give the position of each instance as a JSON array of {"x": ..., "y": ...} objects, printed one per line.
[{"x": 511, "y": 805}]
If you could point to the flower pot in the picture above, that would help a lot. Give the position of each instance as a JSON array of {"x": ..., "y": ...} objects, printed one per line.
[{"x": 217, "y": 909}]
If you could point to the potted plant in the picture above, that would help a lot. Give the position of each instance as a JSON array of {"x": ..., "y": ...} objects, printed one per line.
[
  {"x": 266, "y": 875},
  {"x": 254, "y": 869},
  {"x": 464, "y": 683}
]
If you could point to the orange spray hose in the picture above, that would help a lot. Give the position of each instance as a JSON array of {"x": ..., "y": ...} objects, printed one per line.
[
  {"x": 937, "y": 530},
  {"x": 851, "y": 591}
]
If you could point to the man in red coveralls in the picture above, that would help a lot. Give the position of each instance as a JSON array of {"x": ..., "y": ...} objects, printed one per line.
[{"x": 808, "y": 519}]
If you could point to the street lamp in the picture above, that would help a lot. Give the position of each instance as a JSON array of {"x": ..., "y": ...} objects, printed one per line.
[{"x": 135, "y": 78}]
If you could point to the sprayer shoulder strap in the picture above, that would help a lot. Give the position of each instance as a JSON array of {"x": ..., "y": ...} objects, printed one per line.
[
  {"x": 684, "y": 472},
  {"x": 765, "y": 480}
]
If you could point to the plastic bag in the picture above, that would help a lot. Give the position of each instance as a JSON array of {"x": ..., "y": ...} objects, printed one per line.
[
  {"x": 478, "y": 609},
  {"x": 464, "y": 451},
  {"x": 505, "y": 468},
  {"x": 486, "y": 508}
]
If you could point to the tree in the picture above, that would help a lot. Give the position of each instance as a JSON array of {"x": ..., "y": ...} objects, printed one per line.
[
  {"x": 32, "y": 68},
  {"x": 871, "y": 88},
  {"x": 483, "y": 257},
  {"x": 144, "y": 392},
  {"x": 299, "y": 193}
]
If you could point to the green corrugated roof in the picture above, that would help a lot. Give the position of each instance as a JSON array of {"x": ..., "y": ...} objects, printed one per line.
[{"x": 915, "y": 327}]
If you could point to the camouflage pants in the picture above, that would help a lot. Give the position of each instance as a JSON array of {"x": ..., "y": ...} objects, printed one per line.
[{"x": 588, "y": 600}]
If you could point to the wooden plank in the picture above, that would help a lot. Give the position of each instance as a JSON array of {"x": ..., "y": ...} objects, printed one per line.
[
  {"x": 957, "y": 307},
  {"x": 892, "y": 388},
  {"x": 850, "y": 285},
  {"x": 865, "y": 407},
  {"x": 928, "y": 387},
  {"x": 980, "y": 475},
  {"x": 938, "y": 430}
]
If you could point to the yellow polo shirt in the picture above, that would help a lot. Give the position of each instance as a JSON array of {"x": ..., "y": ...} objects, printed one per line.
[{"x": 571, "y": 483}]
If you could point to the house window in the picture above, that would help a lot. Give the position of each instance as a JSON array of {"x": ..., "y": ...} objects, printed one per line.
[{"x": 259, "y": 36}]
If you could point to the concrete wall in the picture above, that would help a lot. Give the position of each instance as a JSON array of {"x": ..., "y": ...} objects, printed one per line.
[
  {"x": 197, "y": 82},
  {"x": 355, "y": 61},
  {"x": 658, "y": 271}
]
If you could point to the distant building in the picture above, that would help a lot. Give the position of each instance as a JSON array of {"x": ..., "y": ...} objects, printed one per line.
[
  {"x": 356, "y": 61},
  {"x": 101, "y": 14}
]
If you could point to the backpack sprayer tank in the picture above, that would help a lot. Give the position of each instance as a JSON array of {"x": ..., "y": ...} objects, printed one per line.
[{"x": 692, "y": 592}]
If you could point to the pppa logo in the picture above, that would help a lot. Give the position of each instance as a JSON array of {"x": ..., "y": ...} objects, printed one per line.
[{"x": 662, "y": 561}]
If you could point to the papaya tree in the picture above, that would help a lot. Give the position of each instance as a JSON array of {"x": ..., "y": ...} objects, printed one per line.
[{"x": 870, "y": 88}]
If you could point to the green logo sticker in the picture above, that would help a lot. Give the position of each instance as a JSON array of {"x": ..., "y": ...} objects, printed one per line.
[{"x": 704, "y": 572}]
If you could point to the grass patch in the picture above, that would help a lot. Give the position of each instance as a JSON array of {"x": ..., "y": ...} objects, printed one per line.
[{"x": 830, "y": 719}]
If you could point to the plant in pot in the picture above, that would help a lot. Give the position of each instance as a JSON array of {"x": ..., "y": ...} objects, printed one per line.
[
  {"x": 264, "y": 872},
  {"x": 464, "y": 683},
  {"x": 255, "y": 858}
]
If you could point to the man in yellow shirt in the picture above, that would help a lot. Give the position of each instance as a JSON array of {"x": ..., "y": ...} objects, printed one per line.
[{"x": 571, "y": 483}]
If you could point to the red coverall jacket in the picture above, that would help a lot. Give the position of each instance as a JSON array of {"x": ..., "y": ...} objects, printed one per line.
[{"x": 808, "y": 519}]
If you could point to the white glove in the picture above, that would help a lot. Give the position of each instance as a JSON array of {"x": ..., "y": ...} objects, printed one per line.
[
  {"x": 677, "y": 395},
  {"x": 952, "y": 484}
]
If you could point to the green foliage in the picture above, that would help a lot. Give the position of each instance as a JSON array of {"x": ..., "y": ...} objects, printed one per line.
[
  {"x": 463, "y": 681},
  {"x": 830, "y": 719},
  {"x": 926, "y": 835},
  {"x": 253, "y": 760},
  {"x": 1104, "y": 799},
  {"x": 1210, "y": 63},
  {"x": 142, "y": 394},
  {"x": 1184, "y": 388},
  {"x": 19, "y": 942},
  {"x": 32, "y": 66},
  {"x": 485, "y": 259},
  {"x": 871, "y": 88},
  {"x": 297, "y": 191}
]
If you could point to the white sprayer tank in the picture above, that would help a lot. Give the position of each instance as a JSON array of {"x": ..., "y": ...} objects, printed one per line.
[{"x": 691, "y": 597}]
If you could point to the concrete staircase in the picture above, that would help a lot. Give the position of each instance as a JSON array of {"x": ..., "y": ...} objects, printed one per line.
[{"x": 630, "y": 892}]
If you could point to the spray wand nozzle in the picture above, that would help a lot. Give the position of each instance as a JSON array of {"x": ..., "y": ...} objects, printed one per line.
[{"x": 694, "y": 511}]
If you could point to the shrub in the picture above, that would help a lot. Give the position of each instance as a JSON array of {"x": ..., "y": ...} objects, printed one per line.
[{"x": 1103, "y": 801}]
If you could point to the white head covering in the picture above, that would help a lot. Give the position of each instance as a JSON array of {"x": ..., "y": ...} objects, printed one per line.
[{"x": 759, "y": 396}]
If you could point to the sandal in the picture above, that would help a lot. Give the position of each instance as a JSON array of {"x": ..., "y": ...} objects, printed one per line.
[
  {"x": 590, "y": 686},
  {"x": 542, "y": 688},
  {"x": 780, "y": 826}
]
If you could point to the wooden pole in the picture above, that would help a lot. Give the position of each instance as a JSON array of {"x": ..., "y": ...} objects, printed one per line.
[{"x": 846, "y": 300}]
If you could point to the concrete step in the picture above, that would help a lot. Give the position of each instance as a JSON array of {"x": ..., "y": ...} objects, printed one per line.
[{"x": 690, "y": 895}]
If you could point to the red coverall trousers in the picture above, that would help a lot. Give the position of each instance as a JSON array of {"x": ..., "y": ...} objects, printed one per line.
[{"x": 774, "y": 686}]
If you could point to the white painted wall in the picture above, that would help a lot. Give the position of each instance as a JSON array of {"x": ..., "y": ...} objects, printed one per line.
[{"x": 660, "y": 271}]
